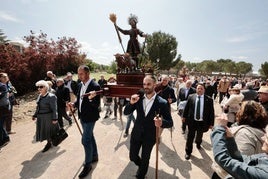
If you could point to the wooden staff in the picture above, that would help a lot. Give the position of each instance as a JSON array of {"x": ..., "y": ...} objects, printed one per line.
[
  {"x": 97, "y": 93},
  {"x": 113, "y": 19},
  {"x": 170, "y": 114},
  {"x": 72, "y": 111},
  {"x": 156, "y": 148}
]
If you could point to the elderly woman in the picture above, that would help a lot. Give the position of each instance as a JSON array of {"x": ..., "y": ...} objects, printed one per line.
[
  {"x": 251, "y": 120},
  {"x": 227, "y": 155},
  {"x": 248, "y": 131},
  {"x": 232, "y": 104},
  {"x": 46, "y": 114}
]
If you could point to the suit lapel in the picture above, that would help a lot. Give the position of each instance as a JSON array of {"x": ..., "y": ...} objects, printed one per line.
[
  {"x": 140, "y": 106},
  {"x": 154, "y": 109}
]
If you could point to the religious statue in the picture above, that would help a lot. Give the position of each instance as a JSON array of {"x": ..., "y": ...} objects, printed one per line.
[{"x": 133, "y": 46}]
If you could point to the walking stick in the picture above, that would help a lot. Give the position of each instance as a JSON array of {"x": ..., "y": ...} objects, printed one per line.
[
  {"x": 113, "y": 19},
  {"x": 171, "y": 127},
  {"x": 156, "y": 148},
  {"x": 72, "y": 111}
]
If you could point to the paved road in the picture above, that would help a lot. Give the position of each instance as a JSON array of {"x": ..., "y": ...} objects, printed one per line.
[{"x": 22, "y": 157}]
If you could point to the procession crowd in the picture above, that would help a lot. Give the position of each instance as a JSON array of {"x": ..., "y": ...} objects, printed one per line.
[{"x": 239, "y": 135}]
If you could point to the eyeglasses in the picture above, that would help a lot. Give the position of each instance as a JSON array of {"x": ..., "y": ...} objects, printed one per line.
[{"x": 40, "y": 87}]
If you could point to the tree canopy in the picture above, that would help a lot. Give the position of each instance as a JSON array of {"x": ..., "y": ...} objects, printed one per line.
[
  {"x": 162, "y": 50},
  {"x": 264, "y": 69},
  {"x": 3, "y": 38},
  {"x": 41, "y": 55}
]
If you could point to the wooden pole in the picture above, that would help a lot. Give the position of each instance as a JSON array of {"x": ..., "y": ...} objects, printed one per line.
[
  {"x": 119, "y": 38},
  {"x": 72, "y": 111},
  {"x": 156, "y": 151}
]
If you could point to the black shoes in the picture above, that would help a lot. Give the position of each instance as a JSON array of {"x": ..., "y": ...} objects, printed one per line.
[
  {"x": 4, "y": 142},
  {"x": 187, "y": 157},
  {"x": 47, "y": 147},
  {"x": 198, "y": 146},
  {"x": 95, "y": 159},
  {"x": 70, "y": 122},
  {"x": 85, "y": 171},
  {"x": 126, "y": 134}
]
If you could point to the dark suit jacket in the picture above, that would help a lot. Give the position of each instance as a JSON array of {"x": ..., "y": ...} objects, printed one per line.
[
  {"x": 183, "y": 91},
  {"x": 144, "y": 127},
  {"x": 208, "y": 111},
  {"x": 89, "y": 109},
  {"x": 63, "y": 96},
  {"x": 167, "y": 92}
]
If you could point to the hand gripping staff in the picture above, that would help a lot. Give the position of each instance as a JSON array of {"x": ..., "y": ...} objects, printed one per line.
[{"x": 73, "y": 110}]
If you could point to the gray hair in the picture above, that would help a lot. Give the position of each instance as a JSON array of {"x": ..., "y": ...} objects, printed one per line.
[{"x": 42, "y": 83}]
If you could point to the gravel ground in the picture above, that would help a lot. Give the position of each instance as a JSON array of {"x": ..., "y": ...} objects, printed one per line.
[{"x": 22, "y": 157}]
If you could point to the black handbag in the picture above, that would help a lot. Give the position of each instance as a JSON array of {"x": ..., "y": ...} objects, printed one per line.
[{"x": 59, "y": 137}]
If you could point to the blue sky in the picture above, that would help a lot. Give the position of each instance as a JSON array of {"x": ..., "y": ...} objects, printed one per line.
[{"x": 204, "y": 29}]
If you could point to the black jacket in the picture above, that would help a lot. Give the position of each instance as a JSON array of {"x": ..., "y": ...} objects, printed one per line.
[
  {"x": 63, "y": 96},
  {"x": 90, "y": 108},
  {"x": 208, "y": 112},
  {"x": 144, "y": 127}
]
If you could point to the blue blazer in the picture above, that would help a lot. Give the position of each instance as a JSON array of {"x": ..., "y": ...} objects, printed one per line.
[
  {"x": 90, "y": 108},
  {"x": 144, "y": 127}
]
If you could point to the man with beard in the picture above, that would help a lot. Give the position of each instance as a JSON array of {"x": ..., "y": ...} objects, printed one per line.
[{"x": 152, "y": 111}]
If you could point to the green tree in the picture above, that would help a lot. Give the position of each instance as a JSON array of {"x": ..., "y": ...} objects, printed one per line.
[
  {"x": 191, "y": 66},
  {"x": 243, "y": 68},
  {"x": 208, "y": 66},
  {"x": 3, "y": 38},
  {"x": 162, "y": 46},
  {"x": 264, "y": 69},
  {"x": 112, "y": 68},
  {"x": 229, "y": 67}
]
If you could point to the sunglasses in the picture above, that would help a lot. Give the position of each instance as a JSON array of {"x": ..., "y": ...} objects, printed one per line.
[{"x": 40, "y": 87}]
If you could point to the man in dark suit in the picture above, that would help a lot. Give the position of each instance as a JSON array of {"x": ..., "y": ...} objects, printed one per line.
[
  {"x": 166, "y": 91},
  {"x": 182, "y": 98},
  {"x": 199, "y": 116},
  {"x": 143, "y": 133},
  {"x": 63, "y": 97},
  {"x": 88, "y": 114}
]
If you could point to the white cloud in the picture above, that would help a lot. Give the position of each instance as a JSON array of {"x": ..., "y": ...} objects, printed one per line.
[
  {"x": 237, "y": 39},
  {"x": 103, "y": 55},
  {"x": 4, "y": 16}
]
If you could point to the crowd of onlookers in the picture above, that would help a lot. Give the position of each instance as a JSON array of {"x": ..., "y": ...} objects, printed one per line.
[
  {"x": 7, "y": 101},
  {"x": 238, "y": 136}
]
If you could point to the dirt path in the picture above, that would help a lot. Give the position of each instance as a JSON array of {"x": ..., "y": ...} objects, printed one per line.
[{"x": 22, "y": 157}]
